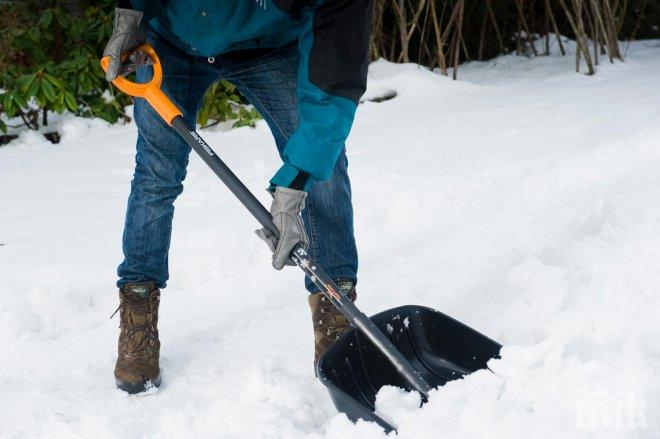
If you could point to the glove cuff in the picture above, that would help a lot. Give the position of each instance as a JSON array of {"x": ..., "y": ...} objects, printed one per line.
[
  {"x": 124, "y": 12},
  {"x": 127, "y": 19},
  {"x": 286, "y": 198}
]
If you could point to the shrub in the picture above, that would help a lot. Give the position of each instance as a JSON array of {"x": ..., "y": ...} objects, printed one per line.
[
  {"x": 49, "y": 55},
  {"x": 49, "y": 62},
  {"x": 222, "y": 102}
]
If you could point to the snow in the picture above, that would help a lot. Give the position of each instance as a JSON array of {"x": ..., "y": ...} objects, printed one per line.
[{"x": 521, "y": 200}]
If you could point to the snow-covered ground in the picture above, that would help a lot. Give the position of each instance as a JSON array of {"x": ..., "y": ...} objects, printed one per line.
[{"x": 523, "y": 200}]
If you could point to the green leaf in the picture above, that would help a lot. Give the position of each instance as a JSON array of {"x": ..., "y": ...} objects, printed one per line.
[
  {"x": 29, "y": 81},
  {"x": 70, "y": 102},
  {"x": 40, "y": 97},
  {"x": 85, "y": 82},
  {"x": 48, "y": 90},
  {"x": 20, "y": 99},
  {"x": 46, "y": 18},
  {"x": 55, "y": 81},
  {"x": 6, "y": 100},
  {"x": 107, "y": 116},
  {"x": 62, "y": 20},
  {"x": 8, "y": 105},
  {"x": 59, "y": 107},
  {"x": 34, "y": 87}
]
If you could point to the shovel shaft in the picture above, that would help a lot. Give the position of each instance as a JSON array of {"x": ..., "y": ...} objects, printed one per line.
[
  {"x": 301, "y": 258},
  {"x": 233, "y": 183}
]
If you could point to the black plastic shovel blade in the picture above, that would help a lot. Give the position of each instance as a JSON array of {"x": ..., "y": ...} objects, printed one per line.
[{"x": 440, "y": 348}]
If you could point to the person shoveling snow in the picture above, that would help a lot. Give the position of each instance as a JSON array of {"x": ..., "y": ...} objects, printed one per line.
[
  {"x": 261, "y": 50},
  {"x": 429, "y": 350}
]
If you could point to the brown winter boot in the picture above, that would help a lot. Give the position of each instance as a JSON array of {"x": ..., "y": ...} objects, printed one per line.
[
  {"x": 139, "y": 348},
  {"x": 329, "y": 323}
]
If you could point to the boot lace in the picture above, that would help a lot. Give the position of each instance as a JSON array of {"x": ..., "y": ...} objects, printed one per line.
[
  {"x": 332, "y": 314},
  {"x": 132, "y": 305}
]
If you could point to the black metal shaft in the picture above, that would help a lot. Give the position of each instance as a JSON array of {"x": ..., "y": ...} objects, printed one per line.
[{"x": 327, "y": 286}]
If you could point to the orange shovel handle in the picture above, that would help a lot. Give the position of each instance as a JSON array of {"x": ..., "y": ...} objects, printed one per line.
[{"x": 151, "y": 90}]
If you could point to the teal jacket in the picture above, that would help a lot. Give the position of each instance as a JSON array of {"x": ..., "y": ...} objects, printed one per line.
[{"x": 333, "y": 40}]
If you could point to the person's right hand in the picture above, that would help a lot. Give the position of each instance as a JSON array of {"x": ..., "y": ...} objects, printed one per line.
[
  {"x": 285, "y": 210},
  {"x": 128, "y": 33}
]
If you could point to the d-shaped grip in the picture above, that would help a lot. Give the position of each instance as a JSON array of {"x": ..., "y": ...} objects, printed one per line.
[{"x": 150, "y": 90}]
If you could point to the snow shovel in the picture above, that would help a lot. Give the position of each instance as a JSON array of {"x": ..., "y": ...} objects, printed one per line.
[{"x": 411, "y": 347}]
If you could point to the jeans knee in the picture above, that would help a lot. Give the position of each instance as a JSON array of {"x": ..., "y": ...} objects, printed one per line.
[{"x": 155, "y": 185}]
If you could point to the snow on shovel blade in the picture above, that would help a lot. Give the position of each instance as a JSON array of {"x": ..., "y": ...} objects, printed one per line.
[{"x": 440, "y": 348}]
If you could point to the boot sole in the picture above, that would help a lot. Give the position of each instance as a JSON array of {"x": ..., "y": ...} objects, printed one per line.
[{"x": 133, "y": 388}]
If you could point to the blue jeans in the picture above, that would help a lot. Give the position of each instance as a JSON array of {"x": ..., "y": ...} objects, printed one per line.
[{"x": 267, "y": 78}]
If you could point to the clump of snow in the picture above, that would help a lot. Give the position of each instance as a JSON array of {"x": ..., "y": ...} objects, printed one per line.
[
  {"x": 69, "y": 128},
  {"x": 534, "y": 391},
  {"x": 391, "y": 400},
  {"x": 76, "y": 128},
  {"x": 31, "y": 139},
  {"x": 521, "y": 200}
]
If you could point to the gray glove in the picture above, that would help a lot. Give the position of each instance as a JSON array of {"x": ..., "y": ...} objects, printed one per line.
[
  {"x": 128, "y": 33},
  {"x": 286, "y": 208}
]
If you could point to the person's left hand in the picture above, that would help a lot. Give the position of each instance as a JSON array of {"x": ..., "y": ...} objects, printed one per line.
[{"x": 285, "y": 210}]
